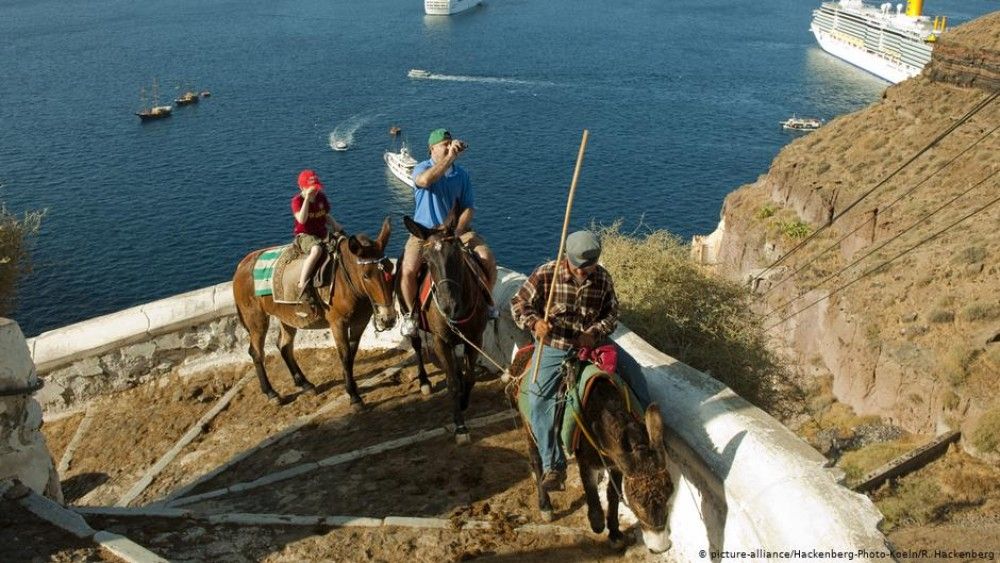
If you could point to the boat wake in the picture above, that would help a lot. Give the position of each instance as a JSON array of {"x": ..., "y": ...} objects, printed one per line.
[
  {"x": 342, "y": 136},
  {"x": 418, "y": 74}
]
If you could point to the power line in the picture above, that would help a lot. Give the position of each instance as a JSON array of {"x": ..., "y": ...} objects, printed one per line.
[
  {"x": 975, "y": 109},
  {"x": 881, "y": 246},
  {"x": 880, "y": 266},
  {"x": 863, "y": 223}
]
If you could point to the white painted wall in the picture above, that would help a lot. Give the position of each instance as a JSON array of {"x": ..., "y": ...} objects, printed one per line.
[{"x": 745, "y": 482}]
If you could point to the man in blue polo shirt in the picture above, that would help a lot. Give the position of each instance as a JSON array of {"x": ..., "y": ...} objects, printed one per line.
[{"x": 440, "y": 184}]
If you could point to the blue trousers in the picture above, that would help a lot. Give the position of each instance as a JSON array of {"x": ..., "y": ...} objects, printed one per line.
[{"x": 542, "y": 398}]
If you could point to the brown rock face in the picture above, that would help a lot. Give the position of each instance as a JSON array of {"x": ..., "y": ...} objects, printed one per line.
[{"x": 905, "y": 275}]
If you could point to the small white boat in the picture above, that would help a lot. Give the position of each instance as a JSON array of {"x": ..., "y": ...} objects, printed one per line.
[
  {"x": 418, "y": 73},
  {"x": 339, "y": 146},
  {"x": 802, "y": 123},
  {"x": 448, "y": 7},
  {"x": 401, "y": 165}
]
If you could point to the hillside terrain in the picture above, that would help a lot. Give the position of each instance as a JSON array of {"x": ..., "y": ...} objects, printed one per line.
[
  {"x": 916, "y": 340},
  {"x": 872, "y": 247}
]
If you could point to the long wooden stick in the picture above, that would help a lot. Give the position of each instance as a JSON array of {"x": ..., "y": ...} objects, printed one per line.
[{"x": 562, "y": 247}]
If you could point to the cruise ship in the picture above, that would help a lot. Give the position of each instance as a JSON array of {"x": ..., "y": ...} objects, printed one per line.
[
  {"x": 887, "y": 41},
  {"x": 448, "y": 7}
]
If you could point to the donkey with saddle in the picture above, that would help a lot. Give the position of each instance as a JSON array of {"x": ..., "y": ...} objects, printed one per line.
[{"x": 570, "y": 397}]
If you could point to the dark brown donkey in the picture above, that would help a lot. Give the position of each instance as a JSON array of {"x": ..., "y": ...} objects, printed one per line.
[
  {"x": 456, "y": 312},
  {"x": 635, "y": 455},
  {"x": 362, "y": 286}
]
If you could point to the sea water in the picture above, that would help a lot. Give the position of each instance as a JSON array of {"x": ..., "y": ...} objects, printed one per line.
[{"x": 682, "y": 100}]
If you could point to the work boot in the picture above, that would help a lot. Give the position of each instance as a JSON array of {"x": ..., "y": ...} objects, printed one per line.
[{"x": 554, "y": 480}]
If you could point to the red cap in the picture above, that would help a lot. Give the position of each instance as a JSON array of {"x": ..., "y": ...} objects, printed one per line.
[{"x": 308, "y": 178}]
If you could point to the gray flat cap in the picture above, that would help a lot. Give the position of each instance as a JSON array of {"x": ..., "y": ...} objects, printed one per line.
[{"x": 583, "y": 248}]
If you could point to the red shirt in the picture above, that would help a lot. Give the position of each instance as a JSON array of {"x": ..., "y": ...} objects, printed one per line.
[{"x": 315, "y": 223}]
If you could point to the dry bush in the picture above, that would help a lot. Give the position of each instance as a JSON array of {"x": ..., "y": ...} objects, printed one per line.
[
  {"x": 702, "y": 320},
  {"x": 986, "y": 436},
  {"x": 981, "y": 312},
  {"x": 15, "y": 234}
]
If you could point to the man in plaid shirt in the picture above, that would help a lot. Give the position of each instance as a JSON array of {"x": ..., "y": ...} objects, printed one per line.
[{"x": 584, "y": 313}]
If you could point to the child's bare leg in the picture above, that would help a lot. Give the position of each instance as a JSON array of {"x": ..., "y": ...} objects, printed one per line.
[{"x": 307, "y": 267}]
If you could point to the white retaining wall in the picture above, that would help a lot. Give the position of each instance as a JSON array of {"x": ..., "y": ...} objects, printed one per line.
[{"x": 745, "y": 483}]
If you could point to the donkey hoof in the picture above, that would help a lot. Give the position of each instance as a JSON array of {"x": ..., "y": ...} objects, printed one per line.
[
  {"x": 462, "y": 437},
  {"x": 307, "y": 387},
  {"x": 547, "y": 515},
  {"x": 275, "y": 398},
  {"x": 357, "y": 406},
  {"x": 596, "y": 521},
  {"x": 617, "y": 542},
  {"x": 425, "y": 389}
]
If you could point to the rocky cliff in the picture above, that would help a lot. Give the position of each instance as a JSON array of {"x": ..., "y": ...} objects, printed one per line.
[{"x": 895, "y": 289}]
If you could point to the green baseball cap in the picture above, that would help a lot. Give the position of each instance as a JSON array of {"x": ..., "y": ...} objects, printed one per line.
[{"x": 437, "y": 136}]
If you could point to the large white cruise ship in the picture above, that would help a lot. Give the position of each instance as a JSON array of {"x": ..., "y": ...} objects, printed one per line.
[
  {"x": 448, "y": 7},
  {"x": 885, "y": 41}
]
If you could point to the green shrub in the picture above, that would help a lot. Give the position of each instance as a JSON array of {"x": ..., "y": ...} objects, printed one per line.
[
  {"x": 702, "y": 320},
  {"x": 766, "y": 211},
  {"x": 15, "y": 235},
  {"x": 794, "y": 229}
]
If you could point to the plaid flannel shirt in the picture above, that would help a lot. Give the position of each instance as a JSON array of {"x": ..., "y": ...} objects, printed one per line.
[{"x": 576, "y": 308}]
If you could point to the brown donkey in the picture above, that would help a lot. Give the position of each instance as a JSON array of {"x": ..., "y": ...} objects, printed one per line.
[
  {"x": 455, "y": 311},
  {"x": 362, "y": 287},
  {"x": 633, "y": 453}
]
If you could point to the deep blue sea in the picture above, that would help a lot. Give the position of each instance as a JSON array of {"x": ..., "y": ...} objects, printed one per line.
[{"x": 682, "y": 100}]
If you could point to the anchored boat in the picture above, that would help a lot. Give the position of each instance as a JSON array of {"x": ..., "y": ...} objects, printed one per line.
[
  {"x": 150, "y": 113},
  {"x": 401, "y": 165},
  {"x": 802, "y": 123},
  {"x": 448, "y": 7}
]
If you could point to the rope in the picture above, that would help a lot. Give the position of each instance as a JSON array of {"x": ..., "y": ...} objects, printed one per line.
[
  {"x": 880, "y": 266},
  {"x": 975, "y": 109},
  {"x": 863, "y": 223},
  {"x": 919, "y": 221}
]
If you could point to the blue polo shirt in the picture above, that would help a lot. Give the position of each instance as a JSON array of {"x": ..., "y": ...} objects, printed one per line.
[{"x": 434, "y": 202}]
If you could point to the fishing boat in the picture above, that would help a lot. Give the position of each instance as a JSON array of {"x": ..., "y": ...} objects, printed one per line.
[
  {"x": 187, "y": 98},
  {"x": 150, "y": 113},
  {"x": 801, "y": 123},
  {"x": 401, "y": 164},
  {"x": 448, "y": 7}
]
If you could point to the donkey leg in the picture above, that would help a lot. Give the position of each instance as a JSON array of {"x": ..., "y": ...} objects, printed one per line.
[
  {"x": 425, "y": 382},
  {"x": 595, "y": 513},
  {"x": 614, "y": 532},
  {"x": 344, "y": 351},
  {"x": 286, "y": 344},
  {"x": 446, "y": 354},
  {"x": 469, "y": 377},
  {"x": 354, "y": 332},
  {"x": 544, "y": 503},
  {"x": 256, "y": 325}
]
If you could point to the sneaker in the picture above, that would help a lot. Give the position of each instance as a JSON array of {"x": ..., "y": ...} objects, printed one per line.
[
  {"x": 554, "y": 480},
  {"x": 492, "y": 313},
  {"x": 408, "y": 327}
]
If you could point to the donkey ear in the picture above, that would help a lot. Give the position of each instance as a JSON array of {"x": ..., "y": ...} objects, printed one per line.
[
  {"x": 383, "y": 235},
  {"x": 416, "y": 229},
  {"x": 354, "y": 245},
  {"x": 451, "y": 221},
  {"x": 654, "y": 427}
]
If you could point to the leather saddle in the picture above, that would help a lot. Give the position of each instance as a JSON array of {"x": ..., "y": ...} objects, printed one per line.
[{"x": 288, "y": 268}]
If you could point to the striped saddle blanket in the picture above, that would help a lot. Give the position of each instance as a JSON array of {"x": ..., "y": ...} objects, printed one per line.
[{"x": 271, "y": 266}]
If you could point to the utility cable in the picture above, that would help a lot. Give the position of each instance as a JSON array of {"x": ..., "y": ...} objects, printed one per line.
[
  {"x": 865, "y": 222},
  {"x": 975, "y": 109},
  {"x": 881, "y": 246},
  {"x": 883, "y": 264}
]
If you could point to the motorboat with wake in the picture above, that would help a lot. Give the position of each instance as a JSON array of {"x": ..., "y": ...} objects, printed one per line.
[
  {"x": 339, "y": 146},
  {"x": 448, "y": 7},
  {"x": 418, "y": 73}
]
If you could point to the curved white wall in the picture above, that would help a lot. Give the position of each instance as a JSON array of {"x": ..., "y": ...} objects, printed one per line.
[{"x": 745, "y": 482}]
